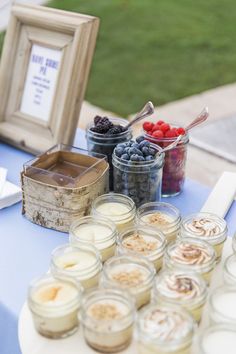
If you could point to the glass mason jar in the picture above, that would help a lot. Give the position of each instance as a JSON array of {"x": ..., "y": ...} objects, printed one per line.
[
  {"x": 164, "y": 329},
  {"x": 217, "y": 339},
  {"x": 208, "y": 227},
  {"x": 186, "y": 289},
  {"x": 163, "y": 216},
  {"x": 174, "y": 166},
  {"x": 234, "y": 243},
  {"x": 117, "y": 207},
  {"x": 105, "y": 144},
  {"x": 229, "y": 270},
  {"x": 100, "y": 232},
  {"x": 134, "y": 274},
  {"x": 222, "y": 305},
  {"x": 82, "y": 263},
  {"x": 107, "y": 316},
  {"x": 140, "y": 180},
  {"x": 54, "y": 305},
  {"x": 191, "y": 254},
  {"x": 143, "y": 241}
]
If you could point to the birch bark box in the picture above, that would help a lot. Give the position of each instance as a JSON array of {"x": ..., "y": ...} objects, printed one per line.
[{"x": 60, "y": 185}]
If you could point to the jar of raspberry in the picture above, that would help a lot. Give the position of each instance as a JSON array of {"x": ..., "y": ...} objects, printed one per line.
[
  {"x": 174, "y": 166},
  {"x": 103, "y": 135}
]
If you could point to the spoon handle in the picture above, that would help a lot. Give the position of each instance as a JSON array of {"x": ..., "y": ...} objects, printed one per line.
[
  {"x": 147, "y": 110},
  {"x": 200, "y": 119},
  {"x": 172, "y": 145}
]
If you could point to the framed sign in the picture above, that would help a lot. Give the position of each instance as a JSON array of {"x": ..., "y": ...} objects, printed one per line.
[{"x": 44, "y": 69}]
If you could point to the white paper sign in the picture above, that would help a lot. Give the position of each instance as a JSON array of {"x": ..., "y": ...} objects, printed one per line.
[{"x": 40, "y": 83}]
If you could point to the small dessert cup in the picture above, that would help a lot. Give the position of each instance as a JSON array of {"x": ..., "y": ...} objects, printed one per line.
[
  {"x": 208, "y": 227},
  {"x": 54, "y": 305},
  {"x": 222, "y": 305},
  {"x": 99, "y": 232},
  {"x": 164, "y": 330},
  {"x": 186, "y": 289},
  {"x": 163, "y": 216},
  {"x": 82, "y": 263},
  {"x": 117, "y": 207},
  {"x": 143, "y": 241},
  {"x": 229, "y": 270},
  {"x": 217, "y": 339},
  {"x": 191, "y": 254},
  {"x": 107, "y": 317},
  {"x": 234, "y": 243},
  {"x": 134, "y": 274}
]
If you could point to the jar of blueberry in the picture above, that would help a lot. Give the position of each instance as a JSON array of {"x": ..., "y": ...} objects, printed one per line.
[
  {"x": 138, "y": 170},
  {"x": 103, "y": 134}
]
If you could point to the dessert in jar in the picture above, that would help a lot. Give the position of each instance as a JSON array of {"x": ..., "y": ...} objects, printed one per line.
[
  {"x": 54, "y": 305},
  {"x": 217, "y": 339},
  {"x": 208, "y": 227},
  {"x": 222, "y": 305},
  {"x": 82, "y": 262},
  {"x": 229, "y": 271},
  {"x": 186, "y": 289},
  {"x": 190, "y": 254},
  {"x": 143, "y": 241},
  {"x": 234, "y": 243},
  {"x": 117, "y": 207},
  {"x": 107, "y": 317},
  {"x": 137, "y": 168},
  {"x": 103, "y": 134},
  {"x": 134, "y": 274},
  {"x": 164, "y": 330},
  {"x": 99, "y": 232},
  {"x": 162, "y": 134},
  {"x": 163, "y": 216}
]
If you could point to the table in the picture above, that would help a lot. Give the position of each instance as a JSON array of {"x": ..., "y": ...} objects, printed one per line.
[{"x": 25, "y": 247}]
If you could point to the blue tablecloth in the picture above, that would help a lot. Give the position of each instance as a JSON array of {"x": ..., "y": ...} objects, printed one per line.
[{"x": 25, "y": 248}]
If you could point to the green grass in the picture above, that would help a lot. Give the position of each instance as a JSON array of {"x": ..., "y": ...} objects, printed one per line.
[{"x": 159, "y": 50}]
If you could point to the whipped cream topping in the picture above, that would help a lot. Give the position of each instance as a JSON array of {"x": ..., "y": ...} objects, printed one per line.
[
  {"x": 203, "y": 227},
  {"x": 55, "y": 293},
  {"x": 143, "y": 244},
  {"x": 190, "y": 253},
  {"x": 166, "y": 324},
  {"x": 158, "y": 219},
  {"x": 179, "y": 286}
]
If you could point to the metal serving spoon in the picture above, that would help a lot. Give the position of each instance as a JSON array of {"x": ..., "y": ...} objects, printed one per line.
[{"x": 147, "y": 110}]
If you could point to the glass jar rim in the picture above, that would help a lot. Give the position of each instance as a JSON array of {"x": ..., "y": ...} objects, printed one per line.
[
  {"x": 201, "y": 297},
  {"x": 191, "y": 240},
  {"x": 226, "y": 267},
  {"x": 129, "y": 260},
  {"x": 234, "y": 242},
  {"x": 220, "y": 237},
  {"x": 101, "y": 136},
  {"x": 211, "y": 329},
  {"x": 222, "y": 289},
  {"x": 86, "y": 247},
  {"x": 50, "y": 279},
  {"x": 95, "y": 220},
  {"x": 150, "y": 337}
]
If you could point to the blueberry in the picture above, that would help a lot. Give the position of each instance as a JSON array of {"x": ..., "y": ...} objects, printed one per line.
[
  {"x": 152, "y": 151},
  {"x": 125, "y": 157},
  {"x": 126, "y": 150},
  {"x": 144, "y": 143},
  {"x": 139, "y": 139},
  {"x": 145, "y": 151},
  {"x": 134, "y": 157},
  {"x": 141, "y": 158},
  {"x": 119, "y": 151},
  {"x": 122, "y": 145},
  {"x": 149, "y": 158},
  {"x": 135, "y": 145}
]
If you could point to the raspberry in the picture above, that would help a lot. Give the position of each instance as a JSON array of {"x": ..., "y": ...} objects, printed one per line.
[
  {"x": 181, "y": 131},
  {"x": 165, "y": 127},
  {"x": 160, "y": 122},
  {"x": 148, "y": 126},
  {"x": 156, "y": 127},
  {"x": 158, "y": 134},
  {"x": 171, "y": 133}
]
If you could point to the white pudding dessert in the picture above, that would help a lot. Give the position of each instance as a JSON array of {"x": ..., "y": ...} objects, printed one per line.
[
  {"x": 222, "y": 307},
  {"x": 189, "y": 254},
  {"x": 218, "y": 339},
  {"x": 208, "y": 227},
  {"x": 186, "y": 289},
  {"x": 99, "y": 232},
  {"x": 131, "y": 273},
  {"x": 163, "y": 216},
  {"x": 230, "y": 270},
  {"x": 143, "y": 241},
  {"x": 164, "y": 329},
  {"x": 117, "y": 207},
  {"x": 82, "y": 263},
  {"x": 107, "y": 317},
  {"x": 54, "y": 305}
]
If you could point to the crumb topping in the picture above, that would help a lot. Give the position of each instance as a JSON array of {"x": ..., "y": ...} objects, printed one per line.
[
  {"x": 104, "y": 312},
  {"x": 140, "y": 244},
  {"x": 129, "y": 278},
  {"x": 158, "y": 219}
]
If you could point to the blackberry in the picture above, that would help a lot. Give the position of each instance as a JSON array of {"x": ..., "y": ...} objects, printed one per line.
[
  {"x": 116, "y": 129},
  {"x": 97, "y": 119}
]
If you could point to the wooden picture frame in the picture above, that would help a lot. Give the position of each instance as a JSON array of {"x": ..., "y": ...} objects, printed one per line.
[{"x": 44, "y": 69}]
